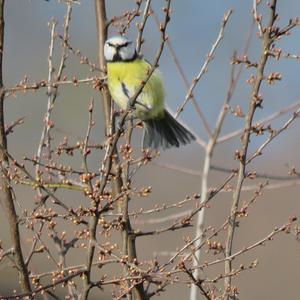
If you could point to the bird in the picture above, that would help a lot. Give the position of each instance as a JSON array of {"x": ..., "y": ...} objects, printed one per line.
[{"x": 126, "y": 70}]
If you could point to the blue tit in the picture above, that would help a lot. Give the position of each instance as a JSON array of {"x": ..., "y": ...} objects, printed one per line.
[{"x": 125, "y": 73}]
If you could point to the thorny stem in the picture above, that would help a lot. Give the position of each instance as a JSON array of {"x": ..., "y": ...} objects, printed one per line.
[
  {"x": 6, "y": 193},
  {"x": 242, "y": 155}
]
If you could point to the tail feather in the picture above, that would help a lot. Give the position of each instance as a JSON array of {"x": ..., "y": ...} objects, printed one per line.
[{"x": 165, "y": 132}]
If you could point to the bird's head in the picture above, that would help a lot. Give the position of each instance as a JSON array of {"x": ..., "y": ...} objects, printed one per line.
[{"x": 119, "y": 48}]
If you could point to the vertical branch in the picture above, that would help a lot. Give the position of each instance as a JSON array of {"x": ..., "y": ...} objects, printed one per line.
[
  {"x": 257, "y": 18},
  {"x": 207, "y": 165},
  {"x": 52, "y": 91},
  {"x": 101, "y": 23},
  {"x": 6, "y": 189},
  {"x": 49, "y": 105},
  {"x": 255, "y": 102},
  {"x": 141, "y": 26},
  {"x": 127, "y": 237}
]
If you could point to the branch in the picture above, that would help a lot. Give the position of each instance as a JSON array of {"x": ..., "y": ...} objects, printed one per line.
[
  {"x": 273, "y": 135},
  {"x": 139, "y": 41},
  {"x": 24, "y": 86},
  {"x": 6, "y": 193},
  {"x": 39, "y": 185},
  {"x": 254, "y": 102},
  {"x": 204, "y": 183},
  {"x": 209, "y": 149},
  {"x": 261, "y": 242},
  {"x": 205, "y": 65},
  {"x": 257, "y": 18},
  {"x": 185, "y": 81},
  {"x": 264, "y": 121}
]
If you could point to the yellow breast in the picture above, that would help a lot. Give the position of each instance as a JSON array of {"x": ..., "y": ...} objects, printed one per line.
[{"x": 125, "y": 78}]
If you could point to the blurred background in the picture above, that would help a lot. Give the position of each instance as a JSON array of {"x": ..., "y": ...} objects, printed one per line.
[{"x": 193, "y": 28}]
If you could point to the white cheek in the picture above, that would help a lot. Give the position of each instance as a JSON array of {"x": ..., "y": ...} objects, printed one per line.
[
  {"x": 123, "y": 53},
  {"x": 126, "y": 53},
  {"x": 109, "y": 52}
]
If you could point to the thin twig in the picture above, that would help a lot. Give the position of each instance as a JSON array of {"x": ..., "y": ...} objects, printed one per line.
[
  {"x": 39, "y": 185},
  {"x": 264, "y": 121},
  {"x": 217, "y": 168},
  {"x": 261, "y": 242},
  {"x": 24, "y": 87},
  {"x": 141, "y": 26},
  {"x": 207, "y": 61},
  {"x": 257, "y": 18},
  {"x": 274, "y": 134},
  {"x": 185, "y": 80}
]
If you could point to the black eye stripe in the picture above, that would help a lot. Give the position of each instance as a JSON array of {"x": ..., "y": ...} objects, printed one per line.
[{"x": 119, "y": 46}]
